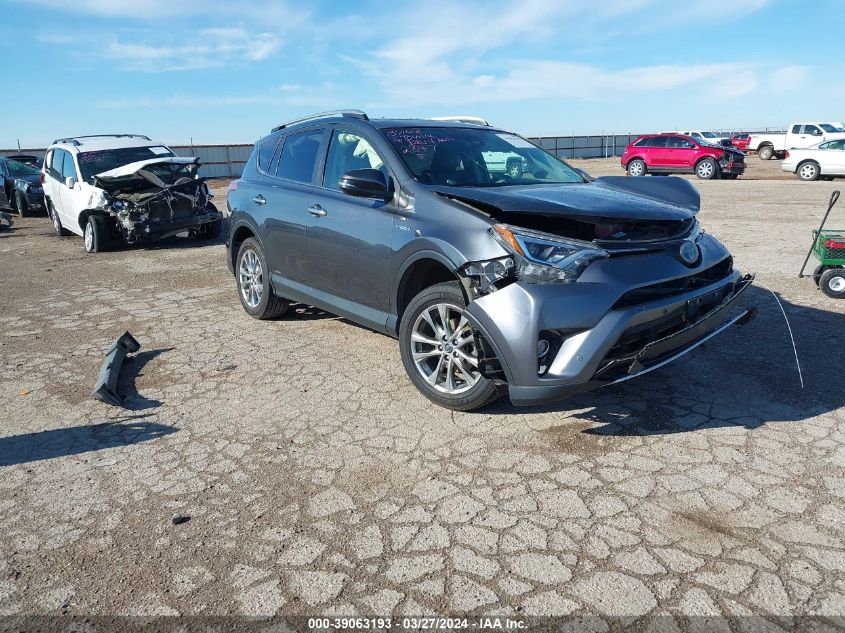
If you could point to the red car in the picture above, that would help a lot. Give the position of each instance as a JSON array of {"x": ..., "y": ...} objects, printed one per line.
[
  {"x": 741, "y": 141},
  {"x": 680, "y": 154}
]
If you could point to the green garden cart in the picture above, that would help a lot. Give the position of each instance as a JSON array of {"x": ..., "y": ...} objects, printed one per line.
[{"x": 829, "y": 248}]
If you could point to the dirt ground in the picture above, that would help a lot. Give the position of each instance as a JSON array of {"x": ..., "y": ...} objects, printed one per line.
[{"x": 318, "y": 480}]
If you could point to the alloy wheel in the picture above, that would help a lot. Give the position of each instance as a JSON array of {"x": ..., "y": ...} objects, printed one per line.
[
  {"x": 705, "y": 170},
  {"x": 807, "y": 172},
  {"x": 444, "y": 349},
  {"x": 89, "y": 236},
  {"x": 635, "y": 168},
  {"x": 251, "y": 278}
]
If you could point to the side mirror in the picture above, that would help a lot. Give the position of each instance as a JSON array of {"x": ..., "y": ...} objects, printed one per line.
[
  {"x": 817, "y": 132},
  {"x": 70, "y": 182},
  {"x": 365, "y": 183}
]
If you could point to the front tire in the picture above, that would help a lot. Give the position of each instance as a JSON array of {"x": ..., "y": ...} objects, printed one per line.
[
  {"x": 707, "y": 169},
  {"x": 766, "y": 152},
  {"x": 832, "y": 283},
  {"x": 96, "y": 235},
  {"x": 440, "y": 352},
  {"x": 57, "y": 223},
  {"x": 21, "y": 205},
  {"x": 637, "y": 167},
  {"x": 252, "y": 278},
  {"x": 809, "y": 171}
]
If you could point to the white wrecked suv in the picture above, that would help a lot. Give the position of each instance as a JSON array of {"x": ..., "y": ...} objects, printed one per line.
[{"x": 125, "y": 188}]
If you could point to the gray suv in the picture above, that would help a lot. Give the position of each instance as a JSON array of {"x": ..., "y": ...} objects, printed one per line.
[{"x": 543, "y": 283}]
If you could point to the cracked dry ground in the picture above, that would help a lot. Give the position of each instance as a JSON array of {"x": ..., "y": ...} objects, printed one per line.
[{"x": 319, "y": 481}]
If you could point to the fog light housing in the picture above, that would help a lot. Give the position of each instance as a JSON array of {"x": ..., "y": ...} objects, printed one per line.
[{"x": 548, "y": 344}]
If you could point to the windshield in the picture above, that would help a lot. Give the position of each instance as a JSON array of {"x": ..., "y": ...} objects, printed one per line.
[
  {"x": 829, "y": 127},
  {"x": 19, "y": 170},
  {"x": 709, "y": 135},
  {"x": 93, "y": 163},
  {"x": 468, "y": 157}
]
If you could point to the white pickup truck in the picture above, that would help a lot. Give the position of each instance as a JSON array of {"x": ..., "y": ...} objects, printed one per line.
[{"x": 798, "y": 135}]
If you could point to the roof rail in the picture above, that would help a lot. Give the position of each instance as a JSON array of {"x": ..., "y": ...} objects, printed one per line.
[
  {"x": 463, "y": 118},
  {"x": 74, "y": 140},
  {"x": 354, "y": 114}
]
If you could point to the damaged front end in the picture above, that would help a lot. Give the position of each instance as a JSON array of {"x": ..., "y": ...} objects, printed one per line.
[
  {"x": 590, "y": 296},
  {"x": 155, "y": 199}
]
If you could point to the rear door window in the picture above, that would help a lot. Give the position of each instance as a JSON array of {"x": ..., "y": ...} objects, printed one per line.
[
  {"x": 658, "y": 141},
  {"x": 679, "y": 142},
  {"x": 796, "y": 129},
  {"x": 299, "y": 155}
]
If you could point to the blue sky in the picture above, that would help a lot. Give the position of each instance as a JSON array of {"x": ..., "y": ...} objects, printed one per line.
[{"x": 223, "y": 71}]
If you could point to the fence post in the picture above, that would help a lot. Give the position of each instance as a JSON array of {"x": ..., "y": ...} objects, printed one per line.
[{"x": 228, "y": 162}]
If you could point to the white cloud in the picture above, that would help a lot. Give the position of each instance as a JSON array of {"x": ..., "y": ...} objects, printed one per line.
[
  {"x": 138, "y": 9},
  {"x": 788, "y": 79},
  {"x": 210, "y": 48},
  {"x": 268, "y": 12}
]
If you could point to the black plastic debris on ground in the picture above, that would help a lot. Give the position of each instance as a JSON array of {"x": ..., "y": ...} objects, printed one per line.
[{"x": 106, "y": 387}]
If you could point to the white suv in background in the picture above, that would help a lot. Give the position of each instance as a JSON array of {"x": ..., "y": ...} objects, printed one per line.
[{"x": 125, "y": 187}]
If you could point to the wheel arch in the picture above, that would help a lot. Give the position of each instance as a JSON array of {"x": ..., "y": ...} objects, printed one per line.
[
  {"x": 240, "y": 232},
  {"x": 86, "y": 213},
  {"x": 808, "y": 160},
  {"x": 421, "y": 270}
]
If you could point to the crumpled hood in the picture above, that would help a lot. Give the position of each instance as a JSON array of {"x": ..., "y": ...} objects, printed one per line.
[
  {"x": 133, "y": 168},
  {"x": 610, "y": 197}
]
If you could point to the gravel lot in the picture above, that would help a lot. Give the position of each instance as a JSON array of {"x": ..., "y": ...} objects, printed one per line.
[{"x": 317, "y": 480}]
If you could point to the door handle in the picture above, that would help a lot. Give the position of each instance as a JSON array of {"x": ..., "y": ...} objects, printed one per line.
[
  {"x": 317, "y": 211},
  {"x": 259, "y": 199}
]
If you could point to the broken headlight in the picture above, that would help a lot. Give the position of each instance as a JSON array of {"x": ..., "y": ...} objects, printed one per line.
[
  {"x": 486, "y": 275},
  {"x": 542, "y": 258}
]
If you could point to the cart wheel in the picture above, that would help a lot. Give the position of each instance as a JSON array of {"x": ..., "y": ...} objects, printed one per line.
[
  {"x": 832, "y": 283},
  {"x": 817, "y": 273}
]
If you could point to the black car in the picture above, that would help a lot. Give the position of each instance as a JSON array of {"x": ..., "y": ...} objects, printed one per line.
[{"x": 22, "y": 190}]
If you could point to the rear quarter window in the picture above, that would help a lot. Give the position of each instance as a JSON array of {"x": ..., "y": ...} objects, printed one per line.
[{"x": 265, "y": 153}]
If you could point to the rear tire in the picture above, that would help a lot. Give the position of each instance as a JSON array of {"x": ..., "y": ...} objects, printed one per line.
[
  {"x": 57, "y": 223},
  {"x": 765, "y": 152},
  {"x": 449, "y": 355},
  {"x": 707, "y": 169},
  {"x": 832, "y": 283},
  {"x": 21, "y": 205},
  {"x": 809, "y": 170},
  {"x": 252, "y": 281},
  {"x": 96, "y": 236},
  {"x": 637, "y": 167}
]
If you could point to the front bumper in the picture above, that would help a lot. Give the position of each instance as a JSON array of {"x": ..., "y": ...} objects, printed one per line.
[
  {"x": 621, "y": 344},
  {"x": 732, "y": 168},
  {"x": 35, "y": 201},
  {"x": 154, "y": 229}
]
